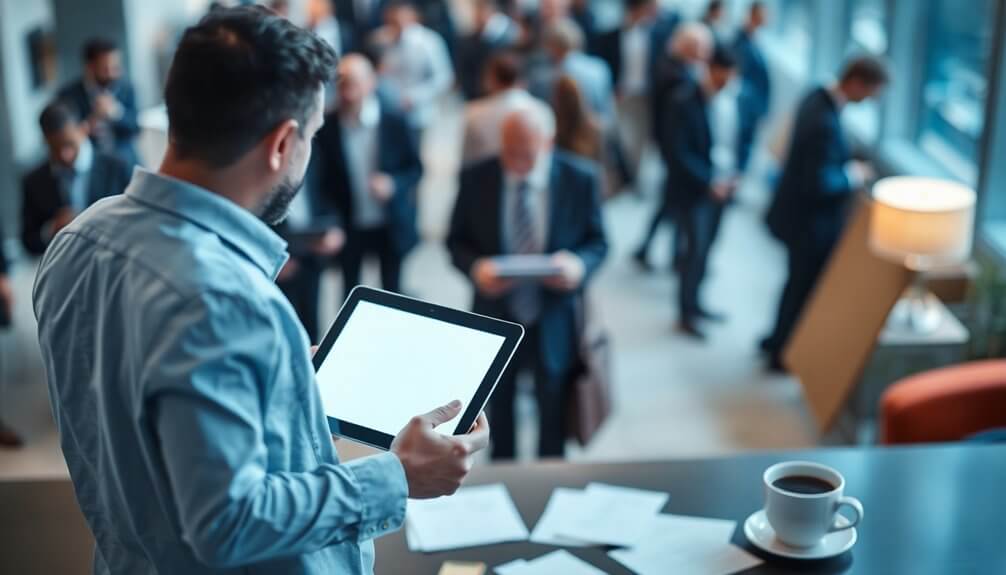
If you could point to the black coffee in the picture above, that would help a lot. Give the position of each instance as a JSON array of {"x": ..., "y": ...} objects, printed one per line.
[{"x": 803, "y": 484}]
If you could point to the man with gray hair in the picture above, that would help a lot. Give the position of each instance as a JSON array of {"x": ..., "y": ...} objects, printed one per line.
[
  {"x": 563, "y": 42},
  {"x": 530, "y": 200}
]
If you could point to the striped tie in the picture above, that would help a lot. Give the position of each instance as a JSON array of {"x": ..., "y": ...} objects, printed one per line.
[{"x": 525, "y": 300}]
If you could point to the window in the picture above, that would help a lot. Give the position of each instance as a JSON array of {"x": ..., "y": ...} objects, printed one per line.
[
  {"x": 867, "y": 35},
  {"x": 955, "y": 83},
  {"x": 791, "y": 22}
]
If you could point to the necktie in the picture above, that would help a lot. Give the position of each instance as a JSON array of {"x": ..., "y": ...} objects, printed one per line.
[{"x": 525, "y": 300}]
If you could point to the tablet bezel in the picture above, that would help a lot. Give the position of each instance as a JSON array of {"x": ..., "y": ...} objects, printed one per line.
[{"x": 512, "y": 334}]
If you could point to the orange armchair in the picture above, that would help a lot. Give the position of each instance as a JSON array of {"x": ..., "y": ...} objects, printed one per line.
[{"x": 946, "y": 404}]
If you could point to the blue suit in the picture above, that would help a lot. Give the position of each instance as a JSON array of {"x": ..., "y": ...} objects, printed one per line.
[
  {"x": 124, "y": 130},
  {"x": 755, "y": 96},
  {"x": 550, "y": 348},
  {"x": 809, "y": 210}
]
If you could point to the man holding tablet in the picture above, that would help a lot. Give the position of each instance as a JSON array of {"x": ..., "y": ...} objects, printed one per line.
[{"x": 180, "y": 377}]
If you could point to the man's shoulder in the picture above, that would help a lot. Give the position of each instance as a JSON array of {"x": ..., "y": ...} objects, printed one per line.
[
  {"x": 37, "y": 176},
  {"x": 573, "y": 166}
]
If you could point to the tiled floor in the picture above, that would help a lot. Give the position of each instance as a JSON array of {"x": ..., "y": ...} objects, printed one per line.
[{"x": 675, "y": 397}]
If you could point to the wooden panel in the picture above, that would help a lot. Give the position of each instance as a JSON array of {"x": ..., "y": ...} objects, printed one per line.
[{"x": 838, "y": 329}]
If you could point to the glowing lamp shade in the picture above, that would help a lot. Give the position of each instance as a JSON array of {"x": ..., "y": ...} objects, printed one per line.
[{"x": 924, "y": 223}]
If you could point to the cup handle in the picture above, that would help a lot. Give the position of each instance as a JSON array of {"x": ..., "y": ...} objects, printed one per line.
[{"x": 856, "y": 506}]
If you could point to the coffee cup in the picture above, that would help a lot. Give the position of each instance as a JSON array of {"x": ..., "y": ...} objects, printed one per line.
[{"x": 802, "y": 500}]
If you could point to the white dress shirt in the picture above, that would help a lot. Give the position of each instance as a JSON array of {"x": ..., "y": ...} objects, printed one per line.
[
  {"x": 538, "y": 190},
  {"x": 724, "y": 124},
  {"x": 359, "y": 141},
  {"x": 78, "y": 192},
  {"x": 635, "y": 59},
  {"x": 419, "y": 68}
]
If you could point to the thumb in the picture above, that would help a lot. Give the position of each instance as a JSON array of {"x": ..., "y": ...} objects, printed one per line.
[{"x": 442, "y": 414}]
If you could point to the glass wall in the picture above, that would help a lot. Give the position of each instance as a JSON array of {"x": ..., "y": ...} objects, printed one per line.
[{"x": 955, "y": 85}]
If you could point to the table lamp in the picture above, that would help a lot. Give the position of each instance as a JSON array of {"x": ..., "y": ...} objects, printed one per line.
[{"x": 924, "y": 224}]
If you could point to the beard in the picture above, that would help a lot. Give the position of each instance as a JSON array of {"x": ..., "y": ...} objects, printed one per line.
[{"x": 277, "y": 205}]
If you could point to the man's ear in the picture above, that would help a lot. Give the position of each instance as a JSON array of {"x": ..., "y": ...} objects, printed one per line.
[{"x": 280, "y": 143}]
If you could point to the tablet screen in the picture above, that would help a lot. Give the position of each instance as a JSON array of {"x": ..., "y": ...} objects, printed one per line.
[{"x": 388, "y": 365}]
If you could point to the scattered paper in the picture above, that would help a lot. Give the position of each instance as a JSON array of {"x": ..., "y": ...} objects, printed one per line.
[
  {"x": 556, "y": 563},
  {"x": 693, "y": 545},
  {"x": 473, "y": 516},
  {"x": 611, "y": 515},
  {"x": 564, "y": 504},
  {"x": 462, "y": 568}
]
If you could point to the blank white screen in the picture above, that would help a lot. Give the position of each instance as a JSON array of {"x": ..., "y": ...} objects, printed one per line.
[{"x": 388, "y": 365}]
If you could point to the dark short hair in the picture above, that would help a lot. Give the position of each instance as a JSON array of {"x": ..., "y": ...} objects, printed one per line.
[
  {"x": 714, "y": 6},
  {"x": 504, "y": 68},
  {"x": 56, "y": 116},
  {"x": 97, "y": 47},
  {"x": 723, "y": 57},
  {"x": 867, "y": 69},
  {"x": 756, "y": 5},
  {"x": 634, "y": 4},
  {"x": 396, "y": 4},
  {"x": 238, "y": 74}
]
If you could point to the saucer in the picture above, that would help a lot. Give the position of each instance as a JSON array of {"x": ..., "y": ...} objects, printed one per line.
[{"x": 761, "y": 535}]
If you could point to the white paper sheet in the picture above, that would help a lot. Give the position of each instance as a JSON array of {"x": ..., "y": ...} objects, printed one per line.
[
  {"x": 564, "y": 504},
  {"x": 612, "y": 515},
  {"x": 556, "y": 563},
  {"x": 511, "y": 568},
  {"x": 473, "y": 516},
  {"x": 681, "y": 544}
]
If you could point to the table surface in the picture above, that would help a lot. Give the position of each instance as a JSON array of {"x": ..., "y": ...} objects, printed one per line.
[{"x": 929, "y": 510}]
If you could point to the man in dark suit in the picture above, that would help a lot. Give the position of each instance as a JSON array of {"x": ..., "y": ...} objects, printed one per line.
[
  {"x": 633, "y": 52},
  {"x": 364, "y": 16},
  {"x": 8, "y": 437},
  {"x": 818, "y": 180},
  {"x": 697, "y": 190},
  {"x": 530, "y": 200},
  {"x": 74, "y": 176},
  {"x": 690, "y": 47},
  {"x": 755, "y": 96},
  {"x": 314, "y": 235},
  {"x": 105, "y": 101},
  {"x": 372, "y": 171},
  {"x": 325, "y": 23},
  {"x": 493, "y": 32}
]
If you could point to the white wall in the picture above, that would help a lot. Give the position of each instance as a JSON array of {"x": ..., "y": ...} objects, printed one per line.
[{"x": 17, "y": 17}]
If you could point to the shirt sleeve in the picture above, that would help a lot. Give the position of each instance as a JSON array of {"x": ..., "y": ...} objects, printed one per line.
[{"x": 207, "y": 386}]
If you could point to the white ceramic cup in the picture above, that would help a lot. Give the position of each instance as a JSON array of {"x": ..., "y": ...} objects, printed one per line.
[{"x": 800, "y": 519}]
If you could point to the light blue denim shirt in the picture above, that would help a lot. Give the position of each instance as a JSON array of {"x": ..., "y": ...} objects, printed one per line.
[{"x": 182, "y": 387}]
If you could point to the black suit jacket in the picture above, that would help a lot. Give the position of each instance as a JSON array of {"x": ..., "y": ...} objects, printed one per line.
[
  {"x": 124, "y": 130},
  {"x": 686, "y": 145},
  {"x": 608, "y": 46},
  {"x": 363, "y": 25},
  {"x": 575, "y": 224},
  {"x": 474, "y": 52},
  {"x": 812, "y": 195},
  {"x": 398, "y": 156},
  {"x": 43, "y": 197}
]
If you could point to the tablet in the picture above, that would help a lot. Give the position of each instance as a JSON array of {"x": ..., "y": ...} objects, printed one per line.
[{"x": 389, "y": 357}]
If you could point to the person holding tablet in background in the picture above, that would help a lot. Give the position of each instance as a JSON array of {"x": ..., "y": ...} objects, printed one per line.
[
  {"x": 180, "y": 377},
  {"x": 530, "y": 200}
]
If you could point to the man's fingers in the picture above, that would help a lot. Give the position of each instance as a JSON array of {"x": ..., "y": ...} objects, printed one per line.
[
  {"x": 478, "y": 438},
  {"x": 442, "y": 414}
]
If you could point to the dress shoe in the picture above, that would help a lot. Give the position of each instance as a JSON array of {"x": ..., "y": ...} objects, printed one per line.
[
  {"x": 9, "y": 438},
  {"x": 688, "y": 328},
  {"x": 712, "y": 316}
]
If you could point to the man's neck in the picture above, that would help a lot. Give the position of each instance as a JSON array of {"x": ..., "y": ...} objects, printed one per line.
[{"x": 223, "y": 182}]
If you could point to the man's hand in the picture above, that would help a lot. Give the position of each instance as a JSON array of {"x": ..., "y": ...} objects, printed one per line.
[
  {"x": 6, "y": 297},
  {"x": 571, "y": 272},
  {"x": 106, "y": 107},
  {"x": 723, "y": 191},
  {"x": 329, "y": 244},
  {"x": 487, "y": 280},
  {"x": 436, "y": 464},
  {"x": 382, "y": 187}
]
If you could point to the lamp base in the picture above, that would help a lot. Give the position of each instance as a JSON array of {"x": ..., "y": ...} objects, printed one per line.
[{"x": 918, "y": 312}]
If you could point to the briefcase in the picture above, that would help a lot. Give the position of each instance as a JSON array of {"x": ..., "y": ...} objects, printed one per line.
[{"x": 590, "y": 398}]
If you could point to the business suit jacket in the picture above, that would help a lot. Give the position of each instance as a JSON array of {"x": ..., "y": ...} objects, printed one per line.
[
  {"x": 398, "y": 156},
  {"x": 608, "y": 46},
  {"x": 813, "y": 191},
  {"x": 363, "y": 24},
  {"x": 43, "y": 196},
  {"x": 575, "y": 224},
  {"x": 475, "y": 50},
  {"x": 755, "y": 84},
  {"x": 686, "y": 145},
  {"x": 124, "y": 130}
]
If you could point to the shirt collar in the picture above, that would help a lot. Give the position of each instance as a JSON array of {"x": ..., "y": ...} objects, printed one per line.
[
  {"x": 85, "y": 157},
  {"x": 837, "y": 96},
  {"x": 233, "y": 224},
  {"x": 538, "y": 178}
]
